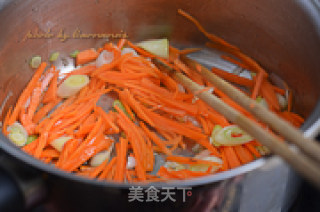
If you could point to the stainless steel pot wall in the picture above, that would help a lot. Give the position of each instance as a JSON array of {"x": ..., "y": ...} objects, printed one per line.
[{"x": 284, "y": 36}]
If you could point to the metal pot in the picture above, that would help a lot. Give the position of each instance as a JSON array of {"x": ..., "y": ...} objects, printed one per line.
[{"x": 283, "y": 36}]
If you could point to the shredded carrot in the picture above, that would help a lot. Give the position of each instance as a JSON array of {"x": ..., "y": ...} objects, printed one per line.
[
  {"x": 243, "y": 154},
  {"x": 252, "y": 149},
  {"x": 231, "y": 157},
  {"x": 290, "y": 99},
  {"x": 233, "y": 78},
  {"x": 86, "y": 56},
  {"x": 26, "y": 94},
  {"x": 108, "y": 168},
  {"x": 257, "y": 86},
  {"x": 155, "y": 139},
  {"x": 269, "y": 94},
  {"x": 210, "y": 36},
  {"x": 121, "y": 163},
  {"x": 158, "y": 114}
]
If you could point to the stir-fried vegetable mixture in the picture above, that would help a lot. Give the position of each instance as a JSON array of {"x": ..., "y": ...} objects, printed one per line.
[{"x": 61, "y": 120}]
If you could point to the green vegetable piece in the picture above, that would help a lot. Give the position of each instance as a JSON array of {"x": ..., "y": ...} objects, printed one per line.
[
  {"x": 215, "y": 130},
  {"x": 121, "y": 107},
  {"x": 74, "y": 53},
  {"x": 17, "y": 138},
  {"x": 54, "y": 56},
  {"x": 232, "y": 135},
  {"x": 17, "y": 134},
  {"x": 259, "y": 99},
  {"x": 31, "y": 138},
  {"x": 159, "y": 47},
  {"x": 35, "y": 61}
]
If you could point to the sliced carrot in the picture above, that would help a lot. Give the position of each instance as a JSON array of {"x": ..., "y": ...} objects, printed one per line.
[
  {"x": 293, "y": 118},
  {"x": 86, "y": 56},
  {"x": 122, "y": 160},
  {"x": 279, "y": 90},
  {"x": 233, "y": 78},
  {"x": 252, "y": 149},
  {"x": 69, "y": 147},
  {"x": 30, "y": 148},
  {"x": 269, "y": 94},
  {"x": 257, "y": 86},
  {"x": 84, "y": 70},
  {"x": 225, "y": 165},
  {"x": 173, "y": 126},
  {"x": 231, "y": 157},
  {"x": 50, "y": 152},
  {"x": 136, "y": 106},
  {"x": 107, "y": 119},
  {"x": 108, "y": 168},
  {"x": 290, "y": 101},
  {"x": 243, "y": 154},
  {"x": 155, "y": 139},
  {"x": 44, "y": 110},
  {"x": 51, "y": 94},
  {"x": 212, "y": 37},
  {"x": 26, "y": 94},
  {"x": 27, "y": 123},
  {"x": 121, "y": 43},
  {"x": 135, "y": 139},
  {"x": 234, "y": 61}
]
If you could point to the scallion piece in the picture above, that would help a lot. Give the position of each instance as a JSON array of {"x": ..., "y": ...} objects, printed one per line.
[
  {"x": 31, "y": 138},
  {"x": 35, "y": 61},
  {"x": 74, "y": 53},
  {"x": 54, "y": 56}
]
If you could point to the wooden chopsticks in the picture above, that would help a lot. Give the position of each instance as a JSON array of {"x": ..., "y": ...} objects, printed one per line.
[
  {"x": 282, "y": 127},
  {"x": 306, "y": 164}
]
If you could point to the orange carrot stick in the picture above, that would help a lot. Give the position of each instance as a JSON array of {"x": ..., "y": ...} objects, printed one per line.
[
  {"x": 234, "y": 61},
  {"x": 86, "y": 56},
  {"x": 108, "y": 169},
  {"x": 136, "y": 106},
  {"x": 173, "y": 126},
  {"x": 34, "y": 102},
  {"x": 26, "y": 94},
  {"x": 225, "y": 165},
  {"x": 122, "y": 160},
  {"x": 212, "y": 37},
  {"x": 155, "y": 139},
  {"x": 107, "y": 119},
  {"x": 50, "y": 152},
  {"x": 257, "y": 86},
  {"x": 233, "y": 78},
  {"x": 252, "y": 149},
  {"x": 98, "y": 169},
  {"x": 135, "y": 140},
  {"x": 44, "y": 110},
  {"x": 243, "y": 154},
  {"x": 231, "y": 157},
  {"x": 269, "y": 94},
  {"x": 51, "y": 93}
]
